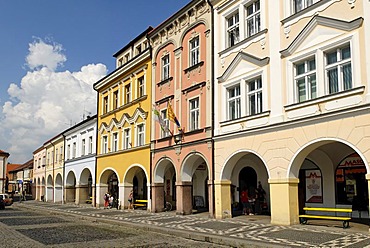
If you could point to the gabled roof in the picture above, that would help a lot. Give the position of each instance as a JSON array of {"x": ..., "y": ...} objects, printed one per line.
[
  {"x": 320, "y": 21},
  {"x": 239, "y": 58},
  {"x": 4, "y": 154}
]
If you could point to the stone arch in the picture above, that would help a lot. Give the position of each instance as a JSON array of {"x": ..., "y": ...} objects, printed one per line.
[
  {"x": 70, "y": 187},
  {"x": 190, "y": 164}
]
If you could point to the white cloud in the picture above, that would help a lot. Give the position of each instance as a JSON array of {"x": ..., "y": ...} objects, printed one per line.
[{"x": 46, "y": 101}]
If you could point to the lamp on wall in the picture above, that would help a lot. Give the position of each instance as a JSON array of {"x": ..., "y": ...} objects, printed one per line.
[{"x": 177, "y": 137}]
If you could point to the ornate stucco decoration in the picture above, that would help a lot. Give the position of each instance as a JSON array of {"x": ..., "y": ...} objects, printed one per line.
[{"x": 352, "y": 3}]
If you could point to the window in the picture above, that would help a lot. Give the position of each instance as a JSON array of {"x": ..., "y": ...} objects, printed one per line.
[
  {"x": 105, "y": 104},
  {"x": 138, "y": 49},
  {"x": 126, "y": 138},
  {"x": 104, "y": 144},
  {"x": 127, "y": 57},
  {"x": 68, "y": 152},
  {"x": 74, "y": 150},
  {"x": 194, "y": 51},
  {"x": 164, "y": 133},
  {"x": 61, "y": 153},
  {"x": 114, "y": 142},
  {"x": 90, "y": 144},
  {"x": 233, "y": 102},
  {"x": 115, "y": 99},
  {"x": 305, "y": 80},
  {"x": 127, "y": 93},
  {"x": 255, "y": 96},
  {"x": 338, "y": 69},
  {"x": 253, "y": 20},
  {"x": 299, "y": 5},
  {"x": 140, "y": 87},
  {"x": 165, "y": 67},
  {"x": 194, "y": 114},
  {"x": 140, "y": 135},
  {"x": 83, "y": 147},
  {"x": 233, "y": 29},
  {"x": 56, "y": 155}
]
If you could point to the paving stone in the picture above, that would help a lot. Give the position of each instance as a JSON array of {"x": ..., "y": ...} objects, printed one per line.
[{"x": 31, "y": 221}]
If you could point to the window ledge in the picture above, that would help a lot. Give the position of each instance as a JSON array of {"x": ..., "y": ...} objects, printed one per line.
[
  {"x": 245, "y": 118},
  {"x": 342, "y": 94},
  {"x": 164, "y": 81},
  {"x": 126, "y": 105},
  {"x": 193, "y": 67}
]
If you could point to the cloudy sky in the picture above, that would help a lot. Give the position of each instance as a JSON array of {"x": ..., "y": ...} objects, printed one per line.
[{"x": 52, "y": 52}]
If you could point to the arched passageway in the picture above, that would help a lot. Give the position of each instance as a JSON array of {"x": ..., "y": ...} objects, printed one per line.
[
  {"x": 109, "y": 183},
  {"x": 50, "y": 189},
  {"x": 70, "y": 187},
  {"x": 58, "y": 189},
  {"x": 85, "y": 190},
  {"x": 136, "y": 180}
]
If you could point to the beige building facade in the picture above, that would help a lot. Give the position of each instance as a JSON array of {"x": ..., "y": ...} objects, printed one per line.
[{"x": 292, "y": 104}]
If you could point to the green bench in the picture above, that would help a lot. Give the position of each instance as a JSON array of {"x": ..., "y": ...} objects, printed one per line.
[
  {"x": 141, "y": 203},
  {"x": 310, "y": 214}
]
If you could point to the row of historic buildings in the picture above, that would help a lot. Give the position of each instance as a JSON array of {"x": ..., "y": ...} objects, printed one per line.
[{"x": 219, "y": 96}]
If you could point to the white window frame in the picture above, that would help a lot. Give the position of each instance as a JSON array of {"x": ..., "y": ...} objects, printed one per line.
[
  {"x": 83, "y": 147},
  {"x": 165, "y": 67},
  {"x": 140, "y": 134},
  {"x": 141, "y": 86},
  {"x": 74, "y": 149},
  {"x": 304, "y": 4},
  {"x": 104, "y": 144},
  {"x": 194, "y": 113},
  {"x": 233, "y": 31},
  {"x": 114, "y": 141},
  {"x": 105, "y": 104},
  {"x": 127, "y": 93},
  {"x": 236, "y": 100},
  {"x": 194, "y": 51},
  {"x": 338, "y": 67},
  {"x": 56, "y": 155},
  {"x": 257, "y": 93},
  {"x": 254, "y": 17},
  {"x": 68, "y": 152},
  {"x": 164, "y": 116},
  {"x": 115, "y": 95},
  {"x": 126, "y": 138},
  {"x": 90, "y": 144},
  {"x": 307, "y": 76}
]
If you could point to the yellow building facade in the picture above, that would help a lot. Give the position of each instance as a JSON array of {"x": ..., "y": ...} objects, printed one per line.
[{"x": 124, "y": 123}]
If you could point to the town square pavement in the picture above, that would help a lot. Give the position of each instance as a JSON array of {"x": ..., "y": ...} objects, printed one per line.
[{"x": 241, "y": 231}]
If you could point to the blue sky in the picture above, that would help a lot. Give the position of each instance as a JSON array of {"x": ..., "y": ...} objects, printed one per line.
[{"x": 48, "y": 49}]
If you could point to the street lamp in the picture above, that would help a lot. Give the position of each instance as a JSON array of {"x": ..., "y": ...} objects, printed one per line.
[{"x": 177, "y": 137}]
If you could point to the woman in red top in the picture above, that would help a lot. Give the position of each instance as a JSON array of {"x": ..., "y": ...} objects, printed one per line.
[{"x": 244, "y": 199}]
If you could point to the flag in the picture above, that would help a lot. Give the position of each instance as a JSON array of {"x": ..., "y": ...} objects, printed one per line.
[
  {"x": 157, "y": 117},
  {"x": 172, "y": 116}
]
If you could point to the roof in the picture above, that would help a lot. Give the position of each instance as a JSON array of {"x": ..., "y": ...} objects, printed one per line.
[
  {"x": 4, "y": 154},
  {"x": 18, "y": 167},
  {"x": 12, "y": 167}
]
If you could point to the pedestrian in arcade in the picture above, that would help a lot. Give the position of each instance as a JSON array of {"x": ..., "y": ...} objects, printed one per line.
[{"x": 106, "y": 200}]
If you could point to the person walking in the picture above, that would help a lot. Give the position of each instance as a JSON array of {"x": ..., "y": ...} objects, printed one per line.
[
  {"x": 130, "y": 199},
  {"x": 106, "y": 200},
  {"x": 244, "y": 200}
]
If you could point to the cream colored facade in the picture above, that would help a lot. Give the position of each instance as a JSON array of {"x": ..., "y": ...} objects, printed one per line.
[
  {"x": 54, "y": 168},
  {"x": 39, "y": 162},
  {"x": 292, "y": 101},
  {"x": 124, "y": 122},
  {"x": 3, "y": 164}
]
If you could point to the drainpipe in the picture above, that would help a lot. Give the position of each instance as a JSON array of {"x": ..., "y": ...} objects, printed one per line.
[
  {"x": 212, "y": 110},
  {"x": 64, "y": 169},
  {"x": 96, "y": 147}
]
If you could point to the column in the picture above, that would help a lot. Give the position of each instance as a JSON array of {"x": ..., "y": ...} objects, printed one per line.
[
  {"x": 184, "y": 198},
  {"x": 223, "y": 199},
  {"x": 157, "y": 197},
  {"x": 284, "y": 201}
]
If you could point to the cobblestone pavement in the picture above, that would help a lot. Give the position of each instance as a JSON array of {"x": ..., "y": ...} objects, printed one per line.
[{"x": 246, "y": 231}]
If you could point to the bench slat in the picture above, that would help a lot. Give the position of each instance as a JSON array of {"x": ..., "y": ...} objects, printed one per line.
[
  {"x": 345, "y": 210},
  {"x": 324, "y": 217},
  {"x": 146, "y": 201},
  {"x": 139, "y": 204}
]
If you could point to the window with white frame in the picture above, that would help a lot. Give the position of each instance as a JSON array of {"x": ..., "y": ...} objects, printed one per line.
[
  {"x": 194, "y": 114},
  {"x": 140, "y": 138},
  {"x": 299, "y": 5},
  {"x": 104, "y": 144},
  {"x": 61, "y": 153},
  {"x": 338, "y": 69},
  {"x": 127, "y": 93},
  {"x": 253, "y": 18},
  {"x": 165, "y": 67},
  {"x": 83, "y": 146},
  {"x": 56, "y": 155},
  {"x": 233, "y": 102},
  {"x": 68, "y": 151},
  {"x": 126, "y": 138},
  {"x": 305, "y": 79},
  {"x": 114, "y": 142},
  {"x": 115, "y": 99},
  {"x": 90, "y": 144},
  {"x": 140, "y": 87},
  {"x": 254, "y": 95},
  {"x": 233, "y": 35},
  {"x": 194, "y": 51},
  {"x": 105, "y": 104},
  {"x": 74, "y": 150},
  {"x": 164, "y": 133}
]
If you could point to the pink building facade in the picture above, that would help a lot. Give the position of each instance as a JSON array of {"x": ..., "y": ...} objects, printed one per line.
[{"x": 182, "y": 166}]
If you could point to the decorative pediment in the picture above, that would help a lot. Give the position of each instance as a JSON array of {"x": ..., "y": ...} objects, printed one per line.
[
  {"x": 241, "y": 64},
  {"x": 139, "y": 113},
  {"x": 320, "y": 29}
]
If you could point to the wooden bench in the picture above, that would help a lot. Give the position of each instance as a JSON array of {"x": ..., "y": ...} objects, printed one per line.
[
  {"x": 303, "y": 218},
  {"x": 140, "y": 203}
]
